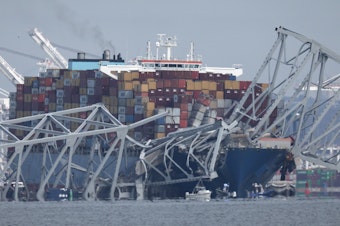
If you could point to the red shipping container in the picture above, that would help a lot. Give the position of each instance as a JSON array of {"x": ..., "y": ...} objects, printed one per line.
[
  {"x": 183, "y": 123},
  {"x": 48, "y": 82},
  {"x": 244, "y": 84},
  {"x": 174, "y": 83},
  {"x": 195, "y": 75},
  {"x": 167, "y": 83},
  {"x": 184, "y": 114},
  {"x": 182, "y": 83},
  {"x": 196, "y": 94},
  {"x": 41, "y": 98},
  {"x": 184, "y": 106}
]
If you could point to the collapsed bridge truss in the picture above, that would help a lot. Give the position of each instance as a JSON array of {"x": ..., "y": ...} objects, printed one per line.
[{"x": 302, "y": 99}]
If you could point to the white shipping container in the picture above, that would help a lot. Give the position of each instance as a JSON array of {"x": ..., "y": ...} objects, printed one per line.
[
  {"x": 176, "y": 120},
  {"x": 169, "y": 110},
  {"x": 228, "y": 103},
  {"x": 121, "y": 110},
  {"x": 169, "y": 120},
  {"x": 60, "y": 93},
  {"x": 176, "y": 112},
  {"x": 220, "y": 103},
  {"x": 90, "y": 91}
]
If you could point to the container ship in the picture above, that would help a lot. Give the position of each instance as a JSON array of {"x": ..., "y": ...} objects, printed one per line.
[{"x": 193, "y": 95}]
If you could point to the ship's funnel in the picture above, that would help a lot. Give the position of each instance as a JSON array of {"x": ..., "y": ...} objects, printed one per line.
[
  {"x": 81, "y": 56},
  {"x": 106, "y": 54}
]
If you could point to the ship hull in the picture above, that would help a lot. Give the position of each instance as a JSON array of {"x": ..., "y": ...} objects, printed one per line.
[{"x": 245, "y": 166}]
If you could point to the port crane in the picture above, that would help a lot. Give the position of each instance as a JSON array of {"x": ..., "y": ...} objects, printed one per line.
[
  {"x": 52, "y": 52},
  {"x": 10, "y": 72}
]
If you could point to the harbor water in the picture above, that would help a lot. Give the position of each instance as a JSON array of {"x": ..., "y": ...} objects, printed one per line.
[{"x": 285, "y": 211}]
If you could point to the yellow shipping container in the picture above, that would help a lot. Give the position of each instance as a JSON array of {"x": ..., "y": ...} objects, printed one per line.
[
  {"x": 106, "y": 100},
  {"x": 190, "y": 85},
  {"x": 135, "y": 75},
  {"x": 212, "y": 85},
  {"x": 148, "y": 113},
  {"x": 198, "y": 85},
  {"x": 152, "y": 84},
  {"x": 114, "y": 110},
  {"x": 264, "y": 86},
  {"x": 114, "y": 101},
  {"x": 205, "y": 84},
  {"x": 67, "y": 74},
  {"x": 27, "y": 113},
  {"x": 28, "y": 81},
  {"x": 127, "y": 76},
  {"x": 27, "y": 98},
  {"x": 20, "y": 114},
  {"x": 144, "y": 87},
  {"x": 125, "y": 85},
  {"x": 145, "y": 100},
  {"x": 219, "y": 95},
  {"x": 60, "y": 84},
  {"x": 159, "y": 135},
  {"x": 150, "y": 106},
  {"x": 82, "y": 91},
  {"x": 205, "y": 91},
  {"x": 75, "y": 82},
  {"x": 67, "y": 106},
  {"x": 229, "y": 84},
  {"x": 130, "y": 102},
  {"x": 51, "y": 107}
]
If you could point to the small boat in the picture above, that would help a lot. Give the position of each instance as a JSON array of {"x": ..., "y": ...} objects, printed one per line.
[{"x": 200, "y": 193}]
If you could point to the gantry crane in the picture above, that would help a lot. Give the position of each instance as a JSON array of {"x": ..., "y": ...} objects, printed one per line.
[
  {"x": 46, "y": 45},
  {"x": 10, "y": 72}
]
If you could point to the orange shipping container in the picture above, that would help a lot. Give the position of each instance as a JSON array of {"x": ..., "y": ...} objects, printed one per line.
[{"x": 183, "y": 123}]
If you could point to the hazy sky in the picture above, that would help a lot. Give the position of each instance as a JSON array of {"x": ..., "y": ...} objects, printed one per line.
[{"x": 225, "y": 32}]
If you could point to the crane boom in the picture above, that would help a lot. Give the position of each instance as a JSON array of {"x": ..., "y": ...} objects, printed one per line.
[
  {"x": 46, "y": 45},
  {"x": 10, "y": 72}
]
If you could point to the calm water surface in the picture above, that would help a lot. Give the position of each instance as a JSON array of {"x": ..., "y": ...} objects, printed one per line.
[{"x": 174, "y": 212}]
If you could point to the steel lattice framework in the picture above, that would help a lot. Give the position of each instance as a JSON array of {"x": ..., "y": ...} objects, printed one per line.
[
  {"x": 53, "y": 133},
  {"x": 295, "y": 100}
]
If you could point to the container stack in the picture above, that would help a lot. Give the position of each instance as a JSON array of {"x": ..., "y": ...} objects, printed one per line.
[
  {"x": 319, "y": 182},
  {"x": 191, "y": 98}
]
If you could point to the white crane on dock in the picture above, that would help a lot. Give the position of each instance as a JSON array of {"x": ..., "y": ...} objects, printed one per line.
[{"x": 52, "y": 52}]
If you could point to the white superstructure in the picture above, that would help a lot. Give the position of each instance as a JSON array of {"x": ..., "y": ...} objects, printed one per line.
[{"x": 167, "y": 62}]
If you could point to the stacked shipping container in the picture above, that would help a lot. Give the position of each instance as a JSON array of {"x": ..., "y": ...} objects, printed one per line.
[
  {"x": 318, "y": 182},
  {"x": 190, "y": 97}
]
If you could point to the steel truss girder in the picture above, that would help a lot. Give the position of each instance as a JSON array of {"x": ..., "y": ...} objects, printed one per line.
[
  {"x": 199, "y": 146},
  {"x": 52, "y": 133},
  {"x": 300, "y": 119}
]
